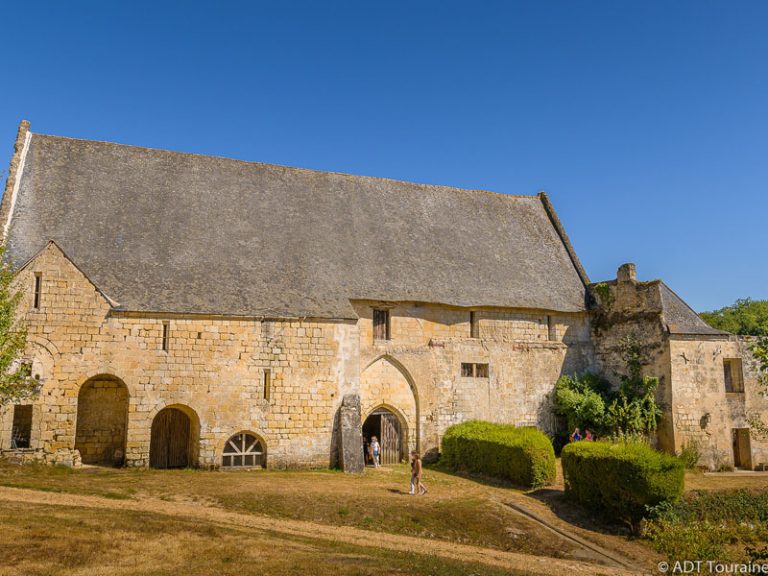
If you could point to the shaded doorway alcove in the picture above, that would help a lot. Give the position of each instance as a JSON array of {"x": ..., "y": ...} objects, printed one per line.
[
  {"x": 386, "y": 426},
  {"x": 102, "y": 420},
  {"x": 174, "y": 437}
]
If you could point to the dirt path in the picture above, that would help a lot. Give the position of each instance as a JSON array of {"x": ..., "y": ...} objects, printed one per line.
[{"x": 298, "y": 528}]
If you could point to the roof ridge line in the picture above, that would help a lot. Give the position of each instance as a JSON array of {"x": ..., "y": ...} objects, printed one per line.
[
  {"x": 442, "y": 187},
  {"x": 555, "y": 220}
]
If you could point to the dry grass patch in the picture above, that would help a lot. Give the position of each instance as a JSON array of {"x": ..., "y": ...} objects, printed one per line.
[
  {"x": 456, "y": 509},
  {"x": 40, "y": 540}
]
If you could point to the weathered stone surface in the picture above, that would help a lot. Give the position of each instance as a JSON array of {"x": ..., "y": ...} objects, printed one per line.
[{"x": 351, "y": 444}]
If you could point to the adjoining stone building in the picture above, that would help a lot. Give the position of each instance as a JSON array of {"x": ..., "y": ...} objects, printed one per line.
[{"x": 186, "y": 310}]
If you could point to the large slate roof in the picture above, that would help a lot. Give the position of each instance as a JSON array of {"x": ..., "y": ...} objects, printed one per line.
[
  {"x": 165, "y": 231},
  {"x": 681, "y": 318}
]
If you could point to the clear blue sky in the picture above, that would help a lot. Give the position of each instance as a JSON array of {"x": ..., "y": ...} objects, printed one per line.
[{"x": 645, "y": 121}]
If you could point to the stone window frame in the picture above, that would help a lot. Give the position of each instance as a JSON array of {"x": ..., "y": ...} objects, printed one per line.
[
  {"x": 266, "y": 382},
  {"x": 474, "y": 324},
  {"x": 475, "y": 370},
  {"x": 37, "y": 294},
  {"x": 382, "y": 332},
  {"x": 166, "y": 336},
  {"x": 733, "y": 375}
]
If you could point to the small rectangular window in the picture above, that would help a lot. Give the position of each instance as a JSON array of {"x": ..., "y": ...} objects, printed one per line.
[
  {"x": 166, "y": 335},
  {"x": 381, "y": 324},
  {"x": 21, "y": 430},
  {"x": 267, "y": 382},
  {"x": 38, "y": 290},
  {"x": 474, "y": 370},
  {"x": 474, "y": 325},
  {"x": 732, "y": 373}
]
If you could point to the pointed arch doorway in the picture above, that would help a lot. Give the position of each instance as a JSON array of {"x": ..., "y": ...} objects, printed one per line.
[{"x": 387, "y": 428}]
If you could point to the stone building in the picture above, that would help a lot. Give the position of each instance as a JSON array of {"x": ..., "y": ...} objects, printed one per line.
[{"x": 187, "y": 310}]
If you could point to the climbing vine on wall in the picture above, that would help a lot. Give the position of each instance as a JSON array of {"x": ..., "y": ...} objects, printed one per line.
[
  {"x": 588, "y": 401},
  {"x": 759, "y": 349}
]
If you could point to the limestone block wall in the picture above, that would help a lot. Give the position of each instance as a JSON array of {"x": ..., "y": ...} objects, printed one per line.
[
  {"x": 214, "y": 367},
  {"x": 429, "y": 343},
  {"x": 704, "y": 413},
  {"x": 282, "y": 380}
]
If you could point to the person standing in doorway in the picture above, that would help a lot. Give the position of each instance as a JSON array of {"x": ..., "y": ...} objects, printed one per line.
[
  {"x": 375, "y": 451},
  {"x": 576, "y": 436},
  {"x": 416, "y": 469}
]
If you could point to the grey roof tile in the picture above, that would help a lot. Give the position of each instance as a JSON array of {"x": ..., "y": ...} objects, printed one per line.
[{"x": 173, "y": 232}]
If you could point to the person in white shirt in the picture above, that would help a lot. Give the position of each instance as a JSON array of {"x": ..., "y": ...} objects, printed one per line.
[{"x": 375, "y": 451}]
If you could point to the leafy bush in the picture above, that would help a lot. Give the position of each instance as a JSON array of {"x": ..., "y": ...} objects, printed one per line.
[
  {"x": 727, "y": 525},
  {"x": 690, "y": 455},
  {"x": 523, "y": 456},
  {"x": 588, "y": 401},
  {"x": 621, "y": 480},
  {"x": 582, "y": 400}
]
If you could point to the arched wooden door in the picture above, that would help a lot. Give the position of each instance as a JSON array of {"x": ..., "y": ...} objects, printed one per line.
[
  {"x": 386, "y": 427},
  {"x": 170, "y": 441}
]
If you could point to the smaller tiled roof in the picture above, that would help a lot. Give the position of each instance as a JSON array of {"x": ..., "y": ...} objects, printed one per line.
[{"x": 681, "y": 318}]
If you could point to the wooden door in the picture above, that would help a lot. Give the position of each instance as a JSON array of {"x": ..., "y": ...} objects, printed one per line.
[
  {"x": 390, "y": 439},
  {"x": 742, "y": 451},
  {"x": 169, "y": 443}
]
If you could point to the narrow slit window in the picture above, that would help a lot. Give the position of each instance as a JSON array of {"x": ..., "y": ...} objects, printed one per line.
[
  {"x": 551, "y": 329},
  {"x": 474, "y": 325},
  {"x": 381, "y": 330},
  {"x": 38, "y": 290},
  {"x": 166, "y": 334},
  {"x": 267, "y": 378}
]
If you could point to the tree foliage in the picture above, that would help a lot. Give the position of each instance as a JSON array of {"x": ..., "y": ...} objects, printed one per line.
[
  {"x": 589, "y": 401},
  {"x": 746, "y": 317},
  {"x": 15, "y": 379}
]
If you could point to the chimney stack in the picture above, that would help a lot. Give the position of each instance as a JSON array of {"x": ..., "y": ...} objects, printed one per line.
[{"x": 627, "y": 273}]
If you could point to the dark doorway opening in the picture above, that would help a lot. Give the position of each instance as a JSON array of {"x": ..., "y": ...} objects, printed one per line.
[
  {"x": 742, "y": 451},
  {"x": 385, "y": 426},
  {"x": 171, "y": 441},
  {"x": 21, "y": 432}
]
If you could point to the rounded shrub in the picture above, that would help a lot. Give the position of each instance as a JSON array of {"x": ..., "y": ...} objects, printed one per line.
[
  {"x": 621, "y": 480},
  {"x": 523, "y": 456}
]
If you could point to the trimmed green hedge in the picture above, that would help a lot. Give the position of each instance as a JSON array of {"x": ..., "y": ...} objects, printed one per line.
[
  {"x": 620, "y": 480},
  {"x": 523, "y": 456}
]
